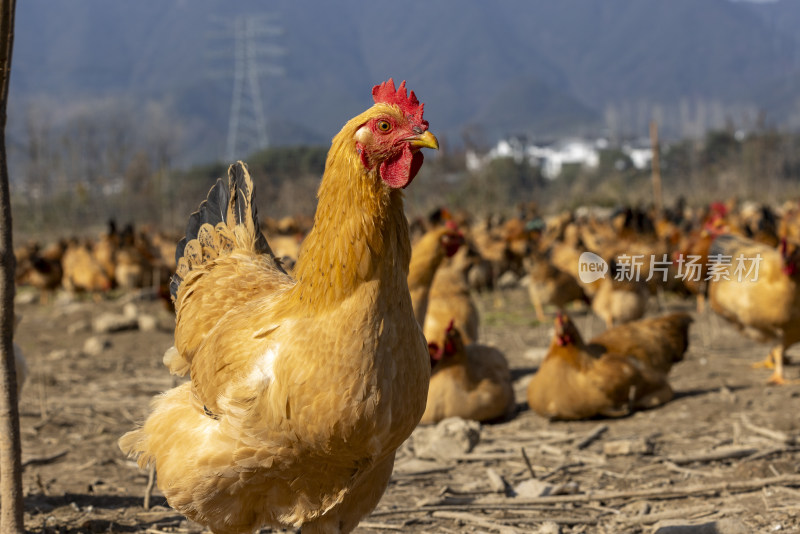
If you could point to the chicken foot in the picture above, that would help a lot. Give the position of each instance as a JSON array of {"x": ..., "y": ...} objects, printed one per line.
[{"x": 776, "y": 359}]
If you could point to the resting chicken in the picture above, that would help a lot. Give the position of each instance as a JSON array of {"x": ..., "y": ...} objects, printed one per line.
[
  {"x": 574, "y": 382},
  {"x": 302, "y": 387},
  {"x": 471, "y": 382}
]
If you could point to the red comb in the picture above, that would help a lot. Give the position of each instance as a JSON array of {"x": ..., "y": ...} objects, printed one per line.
[
  {"x": 385, "y": 93},
  {"x": 719, "y": 208}
]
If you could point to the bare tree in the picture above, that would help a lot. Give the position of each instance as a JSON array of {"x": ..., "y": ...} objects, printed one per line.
[{"x": 11, "y": 515}]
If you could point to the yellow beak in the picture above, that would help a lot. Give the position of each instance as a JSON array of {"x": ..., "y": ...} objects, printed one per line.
[{"x": 425, "y": 140}]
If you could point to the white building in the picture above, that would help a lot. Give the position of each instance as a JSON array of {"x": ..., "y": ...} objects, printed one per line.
[
  {"x": 551, "y": 158},
  {"x": 641, "y": 156}
]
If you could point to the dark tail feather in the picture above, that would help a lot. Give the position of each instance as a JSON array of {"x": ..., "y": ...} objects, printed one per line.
[
  {"x": 211, "y": 230},
  {"x": 727, "y": 245}
]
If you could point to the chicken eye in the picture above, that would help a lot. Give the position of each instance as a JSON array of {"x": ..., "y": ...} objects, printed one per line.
[{"x": 384, "y": 126}]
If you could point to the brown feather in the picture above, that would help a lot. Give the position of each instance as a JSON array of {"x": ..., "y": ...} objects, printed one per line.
[
  {"x": 571, "y": 383},
  {"x": 301, "y": 388}
]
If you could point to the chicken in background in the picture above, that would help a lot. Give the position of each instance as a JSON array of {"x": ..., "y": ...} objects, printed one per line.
[
  {"x": 573, "y": 383},
  {"x": 503, "y": 245},
  {"x": 289, "y": 225},
  {"x": 41, "y": 268},
  {"x": 302, "y": 388},
  {"x": 286, "y": 237},
  {"x": 759, "y": 223},
  {"x": 419, "y": 226},
  {"x": 789, "y": 222},
  {"x": 132, "y": 261},
  {"x": 634, "y": 233},
  {"x": 757, "y": 290},
  {"x": 549, "y": 285},
  {"x": 22, "y": 259},
  {"x": 659, "y": 342},
  {"x": 619, "y": 301},
  {"x": 487, "y": 239},
  {"x": 287, "y": 248},
  {"x": 163, "y": 246},
  {"x": 451, "y": 301},
  {"x": 565, "y": 254},
  {"x": 164, "y": 264},
  {"x": 471, "y": 382},
  {"x": 81, "y": 270},
  {"x": 691, "y": 257},
  {"x": 427, "y": 255},
  {"x": 519, "y": 238},
  {"x": 479, "y": 271},
  {"x": 104, "y": 250}
]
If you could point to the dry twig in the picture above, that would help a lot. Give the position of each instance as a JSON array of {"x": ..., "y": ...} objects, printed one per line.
[
  {"x": 44, "y": 460},
  {"x": 528, "y": 462},
  {"x": 591, "y": 436},
  {"x": 725, "y": 453},
  {"x": 477, "y": 520},
  {"x": 776, "y": 435}
]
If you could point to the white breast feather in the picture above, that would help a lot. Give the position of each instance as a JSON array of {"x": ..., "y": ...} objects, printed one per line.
[{"x": 263, "y": 372}]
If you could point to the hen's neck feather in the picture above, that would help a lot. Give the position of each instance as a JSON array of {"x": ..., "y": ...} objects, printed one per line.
[
  {"x": 426, "y": 256},
  {"x": 572, "y": 354},
  {"x": 360, "y": 231}
]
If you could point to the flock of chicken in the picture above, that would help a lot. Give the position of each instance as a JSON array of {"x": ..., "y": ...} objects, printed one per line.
[
  {"x": 451, "y": 260},
  {"x": 730, "y": 255},
  {"x": 124, "y": 260},
  {"x": 305, "y": 347}
]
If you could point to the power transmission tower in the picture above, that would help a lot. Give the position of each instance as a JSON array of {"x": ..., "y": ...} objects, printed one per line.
[{"x": 253, "y": 57}]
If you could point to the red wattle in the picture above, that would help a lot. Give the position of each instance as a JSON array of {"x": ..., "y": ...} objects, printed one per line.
[{"x": 398, "y": 172}]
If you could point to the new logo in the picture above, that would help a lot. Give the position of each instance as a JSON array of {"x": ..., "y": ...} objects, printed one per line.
[{"x": 591, "y": 267}]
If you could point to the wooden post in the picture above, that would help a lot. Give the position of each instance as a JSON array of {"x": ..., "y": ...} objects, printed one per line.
[
  {"x": 658, "y": 204},
  {"x": 11, "y": 515}
]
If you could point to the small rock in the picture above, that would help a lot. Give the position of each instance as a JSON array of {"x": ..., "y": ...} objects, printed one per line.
[
  {"x": 449, "y": 439},
  {"x": 26, "y": 297},
  {"x": 110, "y": 322},
  {"x": 78, "y": 326},
  {"x": 623, "y": 447},
  {"x": 723, "y": 526},
  {"x": 549, "y": 527},
  {"x": 96, "y": 345},
  {"x": 496, "y": 481},
  {"x": 568, "y": 488},
  {"x": 58, "y": 354},
  {"x": 66, "y": 298},
  {"x": 508, "y": 280},
  {"x": 415, "y": 465},
  {"x": 532, "y": 488},
  {"x": 130, "y": 310},
  {"x": 147, "y": 323}
]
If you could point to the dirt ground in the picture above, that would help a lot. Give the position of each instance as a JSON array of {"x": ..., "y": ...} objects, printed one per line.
[{"x": 724, "y": 450}]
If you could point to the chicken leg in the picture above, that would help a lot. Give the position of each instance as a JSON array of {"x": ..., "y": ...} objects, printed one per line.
[{"x": 776, "y": 360}]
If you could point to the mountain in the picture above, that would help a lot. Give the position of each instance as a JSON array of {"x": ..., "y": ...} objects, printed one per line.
[{"x": 536, "y": 67}]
